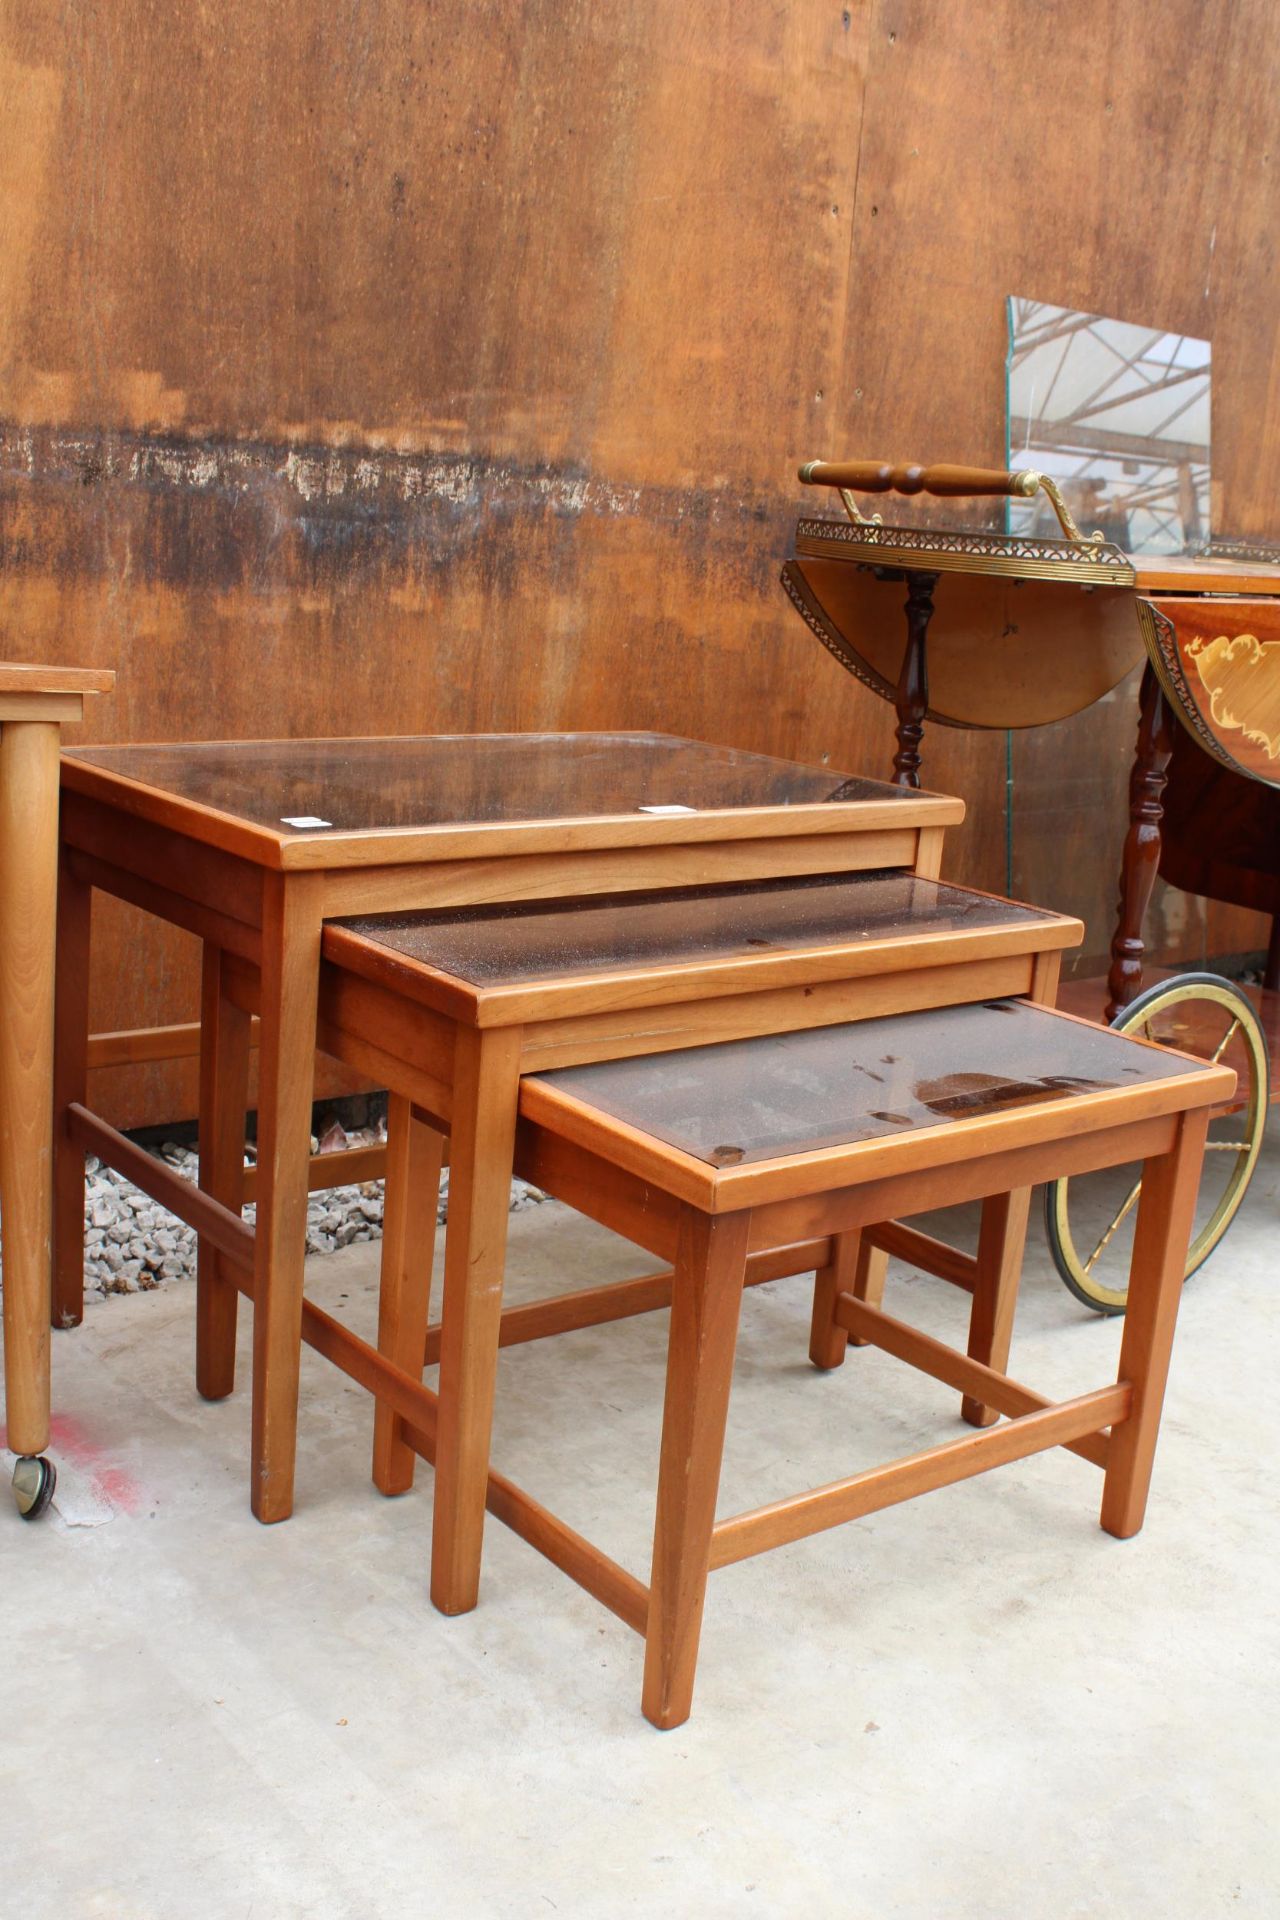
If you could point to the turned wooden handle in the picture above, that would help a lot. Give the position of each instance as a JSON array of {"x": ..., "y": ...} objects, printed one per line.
[{"x": 876, "y": 476}]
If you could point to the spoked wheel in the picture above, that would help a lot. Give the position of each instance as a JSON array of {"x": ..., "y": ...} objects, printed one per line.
[
  {"x": 34, "y": 1479},
  {"x": 1090, "y": 1220}
]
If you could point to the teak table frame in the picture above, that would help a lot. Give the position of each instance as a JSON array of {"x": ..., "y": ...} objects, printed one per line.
[
  {"x": 709, "y": 1222},
  {"x": 35, "y": 704},
  {"x": 455, "y": 1054},
  {"x": 262, "y": 897}
]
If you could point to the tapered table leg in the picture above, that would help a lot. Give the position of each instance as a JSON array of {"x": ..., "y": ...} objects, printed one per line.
[
  {"x": 290, "y": 974},
  {"x": 28, "y": 909},
  {"x": 706, "y": 1295},
  {"x": 414, "y": 1155},
  {"x": 1166, "y": 1212},
  {"x": 224, "y": 1097},
  {"x": 70, "y": 1084},
  {"x": 486, "y": 1091},
  {"x": 1002, "y": 1239}
]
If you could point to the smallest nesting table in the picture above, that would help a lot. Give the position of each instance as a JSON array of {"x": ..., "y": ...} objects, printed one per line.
[{"x": 703, "y": 1155}]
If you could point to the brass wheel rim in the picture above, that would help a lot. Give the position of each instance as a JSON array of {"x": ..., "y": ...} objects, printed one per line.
[{"x": 1083, "y": 1270}]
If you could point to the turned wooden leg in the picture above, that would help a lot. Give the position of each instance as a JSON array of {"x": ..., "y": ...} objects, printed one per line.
[
  {"x": 28, "y": 914},
  {"x": 224, "y": 1097},
  {"x": 70, "y": 1084},
  {"x": 1141, "y": 859},
  {"x": 290, "y": 972},
  {"x": 412, "y": 1195},
  {"x": 1166, "y": 1212},
  {"x": 706, "y": 1296},
  {"x": 1002, "y": 1239},
  {"x": 827, "y": 1341},
  {"x": 1271, "y": 975},
  {"x": 486, "y": 1089},
  {"x": 911, "y": 700}
]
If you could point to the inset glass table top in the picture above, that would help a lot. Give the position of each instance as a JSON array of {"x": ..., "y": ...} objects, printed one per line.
[
  {"x": 510, "y": 945},
  {"x": 748, "y": 1100},
  {"x": 300, "y": 787}
]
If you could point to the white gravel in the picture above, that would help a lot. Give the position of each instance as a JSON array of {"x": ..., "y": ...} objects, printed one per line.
[{"x": 133, "y": 1245}]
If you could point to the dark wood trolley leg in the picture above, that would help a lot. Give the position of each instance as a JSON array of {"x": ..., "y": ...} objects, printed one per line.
[
  {"x": 1166, "y": 1212},
  {"x": 486, "y": 1091},
  {"x": 1141, "y": 858},
  {"x": 414, "y": 1155},
  {"x": 912, "y": 698},
  {"x": 706, "y": 1296},
  {"x": 224, "y": 1097},
  {"x": 70, "y": 1084},
  {"x": 1002, "y": 1239},
  {"x": 290, "y": 972}
]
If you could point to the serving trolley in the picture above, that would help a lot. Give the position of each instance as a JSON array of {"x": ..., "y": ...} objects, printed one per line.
[{"x": 1013, "y": 631}]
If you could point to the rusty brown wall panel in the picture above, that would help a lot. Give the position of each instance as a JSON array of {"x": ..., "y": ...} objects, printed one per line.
[{"x": 382, "y": 367}]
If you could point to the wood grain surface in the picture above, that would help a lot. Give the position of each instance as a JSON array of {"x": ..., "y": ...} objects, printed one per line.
[{"x": 466, "y": 387}]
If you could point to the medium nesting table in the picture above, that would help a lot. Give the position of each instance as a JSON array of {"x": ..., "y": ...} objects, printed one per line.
[
  {"x": 253, "y": 846},
  {"x": 35, "y": 704},
  {"x": 450, "y": 1009}
]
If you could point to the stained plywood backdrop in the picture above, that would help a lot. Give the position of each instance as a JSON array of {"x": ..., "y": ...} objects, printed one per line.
[{"x": 390, "y": 368}]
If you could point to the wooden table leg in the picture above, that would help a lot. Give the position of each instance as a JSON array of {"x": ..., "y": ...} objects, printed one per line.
[
  {"x": 70, "y": 1083},
  {"x": 1002, "y": 1240},
  {"x": 412, "y": 1196},
  {"x": 706, "y": 1296},
  {"x": 827, "y": 1340},
  {"x": 486, "y": 1091},
  {"x": 869, "y": 1276},
  {"x": 290, "y": 974},
  {"x": 1166, "y": 1212},
  {"x": 28, "y": 912},
  {"x": 224, "y": 1097}
]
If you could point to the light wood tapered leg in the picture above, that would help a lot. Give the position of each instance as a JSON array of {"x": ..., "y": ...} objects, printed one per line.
[
  {"x": 224, "y": 1097},
  {"x": 705, "y": 1300},
  {"x": 1166, "y": 1211},
  {"x": 28, "y": 913},
  {"x": 290, "y": 973},
  {"x": 486, "y": 1091},
  {"x": 412, "y": 1195},
  {"x": 827, "y": 1340},
  {"x": 70, "y": 1083},
  {"x": 1002, "y": 1239},
  {"x": 869, "y": 1276}
]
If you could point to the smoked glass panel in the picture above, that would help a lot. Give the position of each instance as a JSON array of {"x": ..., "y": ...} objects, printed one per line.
[
  {"x": 466, "y": 779},
  {"x": 756, "y": 1099},
  {"x": 501, "y": 946}
]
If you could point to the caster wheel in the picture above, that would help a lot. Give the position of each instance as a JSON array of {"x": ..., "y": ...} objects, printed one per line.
[
  {"x": 1090, "y": 1219},
  {"x": 34, "y": 1480}
]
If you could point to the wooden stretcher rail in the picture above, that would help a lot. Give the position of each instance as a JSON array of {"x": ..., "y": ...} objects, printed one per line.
[
  {"x": 133, "y": 1046},
  {"x": 622, "y": 1299},
  {"x": 222, "y": 1228},
  {"x": 594, "y": 1571},
  {"x": 863, "y": 1493},
  {"x": 922, "y": 1250},
  {"x": 879, "y": 1329}
]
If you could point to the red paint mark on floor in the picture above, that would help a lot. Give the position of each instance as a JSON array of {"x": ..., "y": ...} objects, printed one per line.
[{"x": 114, "y": 1484}]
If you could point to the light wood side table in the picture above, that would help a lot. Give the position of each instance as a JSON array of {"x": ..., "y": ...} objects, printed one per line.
[{"x": 35, "y": 704}]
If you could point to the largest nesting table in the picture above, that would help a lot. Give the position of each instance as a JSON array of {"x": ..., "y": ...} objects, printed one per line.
[{"x": 254, "y": 846}]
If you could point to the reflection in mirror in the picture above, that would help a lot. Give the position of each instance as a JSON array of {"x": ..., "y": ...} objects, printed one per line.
[{"x": 1118, "y": 415}]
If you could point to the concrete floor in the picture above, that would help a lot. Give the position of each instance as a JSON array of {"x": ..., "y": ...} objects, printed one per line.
[{"x": 974, "y": 1705}]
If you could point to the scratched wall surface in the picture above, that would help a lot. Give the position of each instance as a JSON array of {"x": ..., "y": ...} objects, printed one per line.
[{"x": 390, "y": 368}]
